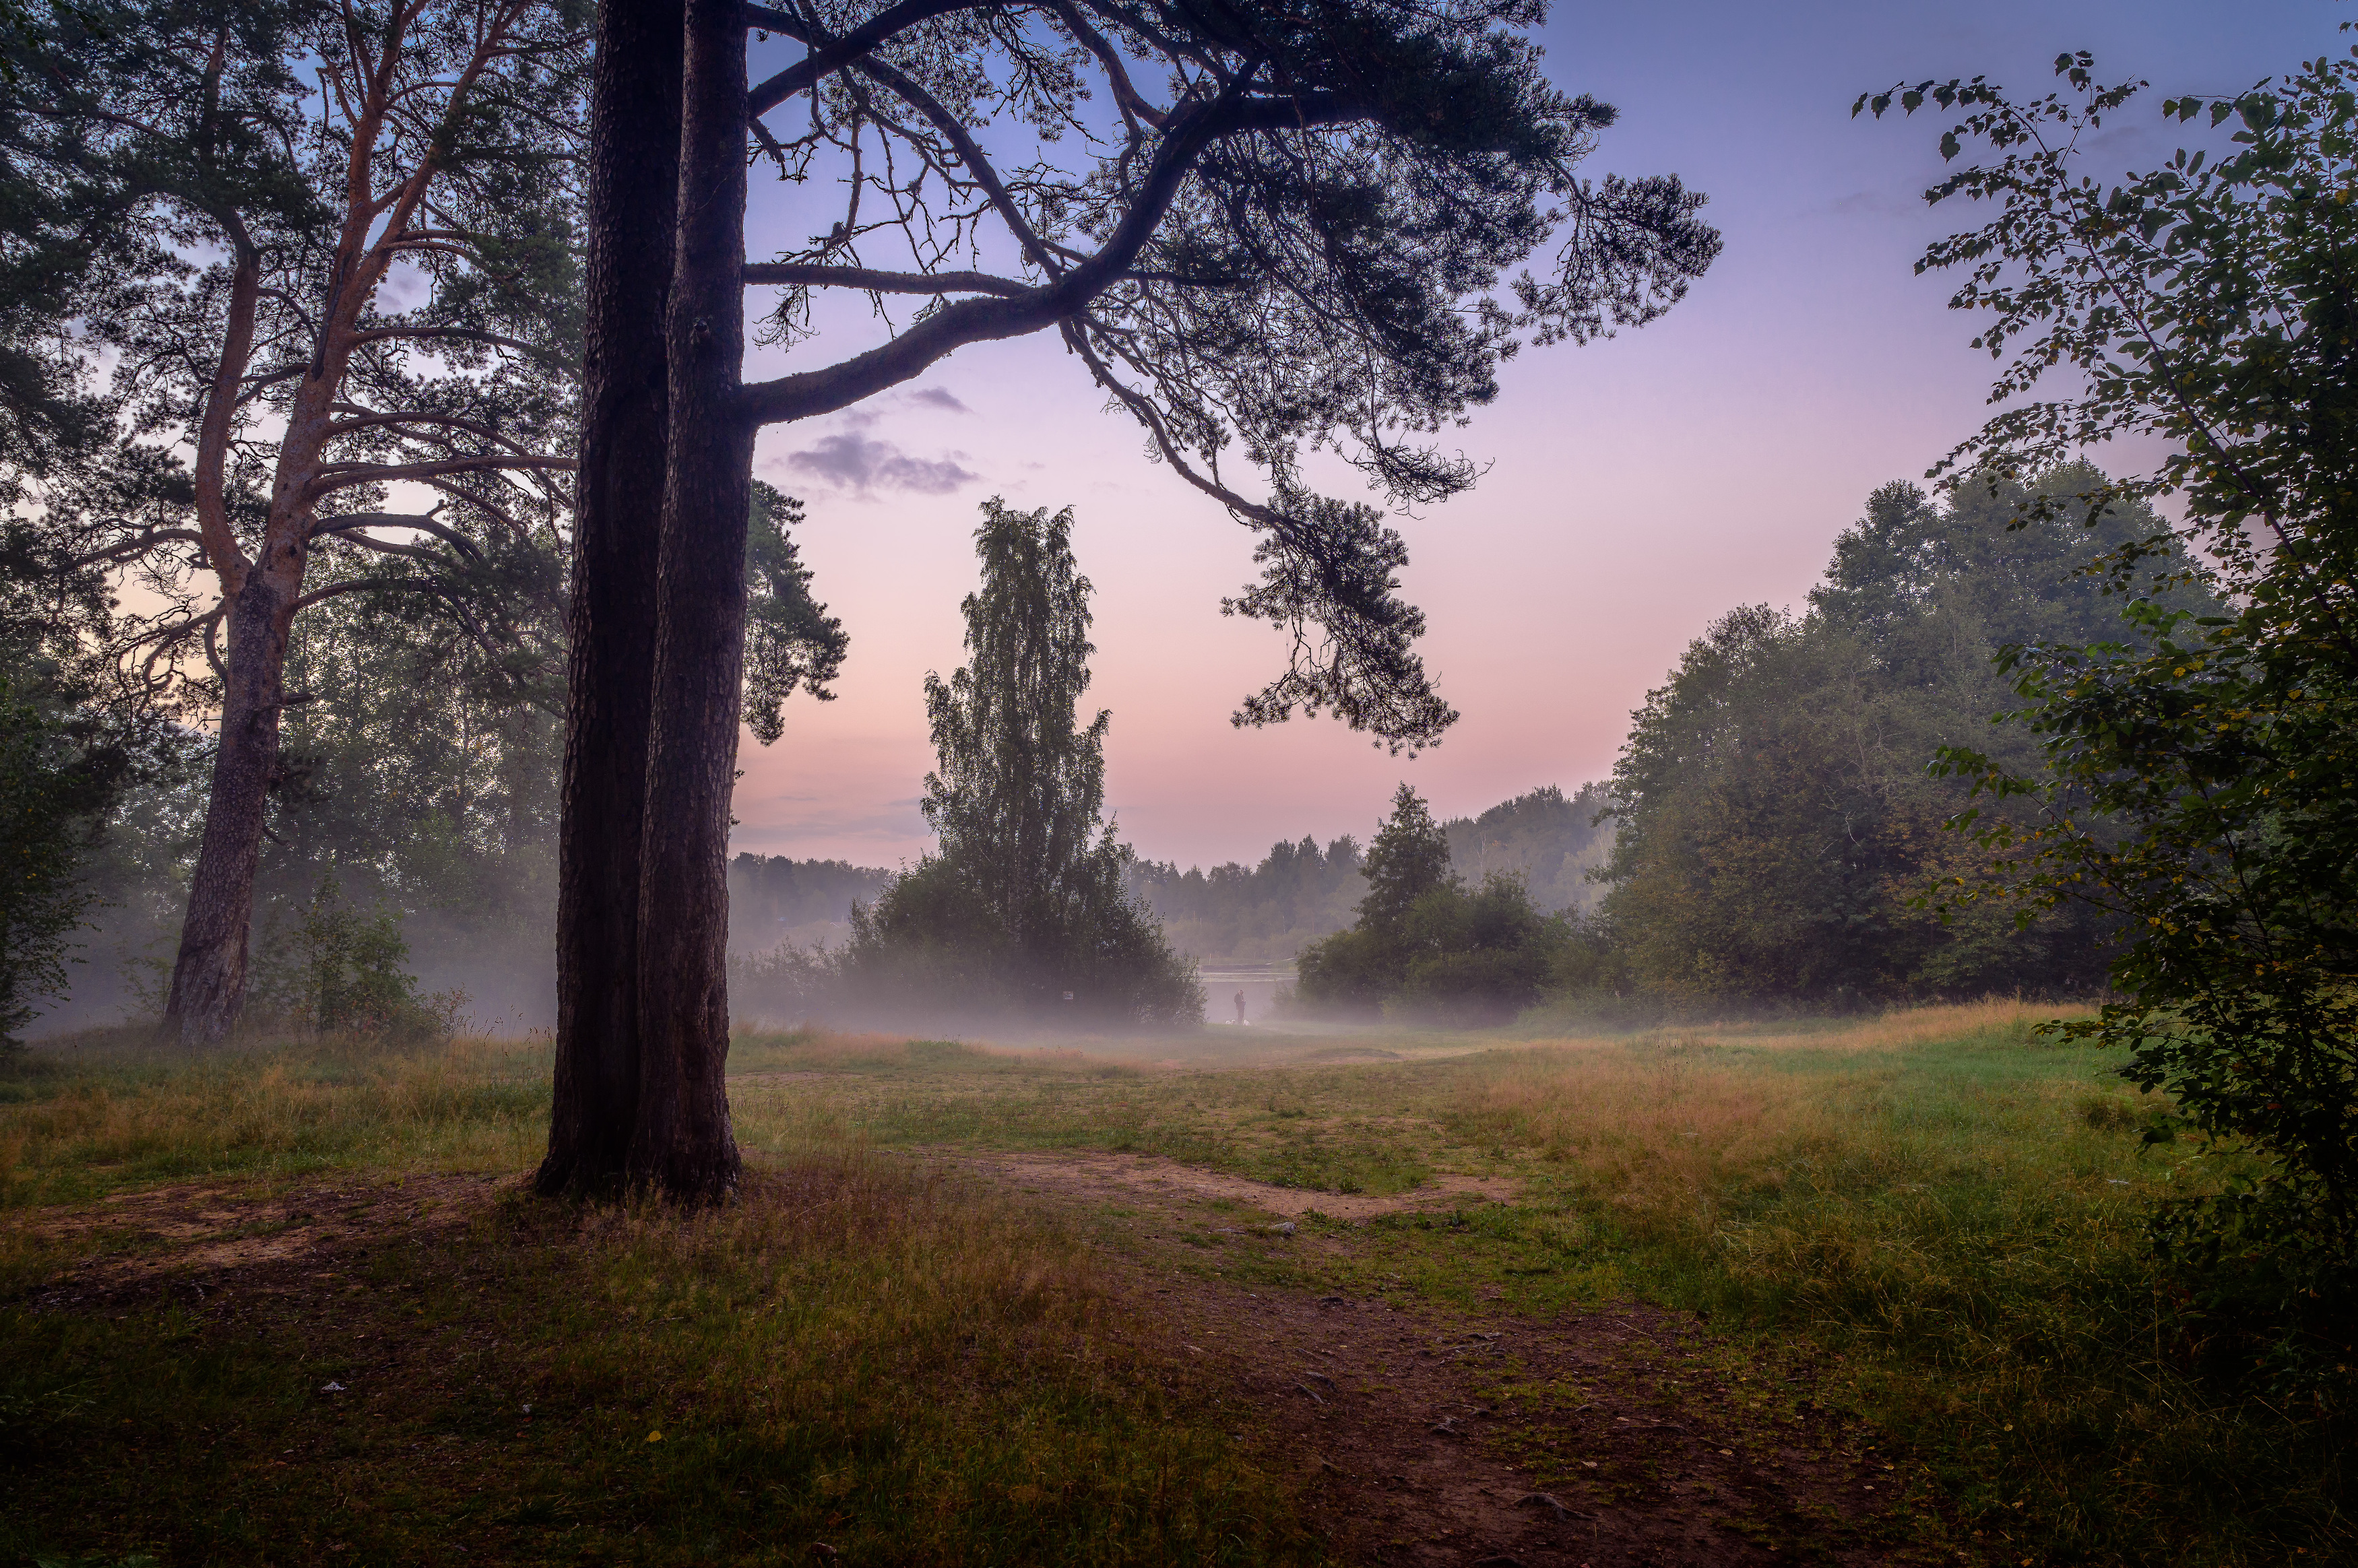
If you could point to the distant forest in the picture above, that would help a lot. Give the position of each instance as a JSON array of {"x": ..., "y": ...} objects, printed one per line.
[
  {"x": 1236, "y": 914},
  {"x": 773, "y": 899},
  {"x": 1233, "y": 913}
]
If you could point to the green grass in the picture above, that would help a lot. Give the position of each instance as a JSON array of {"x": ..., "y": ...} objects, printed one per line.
[
  {"x": 1934, "y": 1220},
  {"x": 895, "y": 1367},
  {"x": 1953, "y": 1208}
]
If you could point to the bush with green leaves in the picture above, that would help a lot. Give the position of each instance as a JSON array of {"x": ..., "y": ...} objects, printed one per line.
[
  {"x": 339, "y": 971},
  {"x": 2199, "y": 781}
]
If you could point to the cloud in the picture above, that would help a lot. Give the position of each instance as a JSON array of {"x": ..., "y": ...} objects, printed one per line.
[
  {"x": 1869, "y": 204},
  {"x": 939, "y": 398},
  {"x": 851, "y": 461}
]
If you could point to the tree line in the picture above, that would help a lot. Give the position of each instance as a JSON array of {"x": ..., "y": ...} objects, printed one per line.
[
  {"x": 313, "y": 310},
  {"x": 1772, "y": 834},
  {"x": 1232, "y": 913},
  {"x": 1298, "y": 893}
]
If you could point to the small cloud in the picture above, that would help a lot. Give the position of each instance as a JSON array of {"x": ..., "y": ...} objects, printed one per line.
[
  {"x": 851, "y": 461},
  {"x": 939, "y": 398},
  {"x": 1868, "y": 204}
]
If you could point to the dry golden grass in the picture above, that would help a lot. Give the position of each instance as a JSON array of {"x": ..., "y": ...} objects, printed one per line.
[
  {"x": 1676, "y": 1127},
  {"x": 1661, "y": 1137},
  {"x": 1992, "y": 1018},
  {"x": 120, "y": 1112}
]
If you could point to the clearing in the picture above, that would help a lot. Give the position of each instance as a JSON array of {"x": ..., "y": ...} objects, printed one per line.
[{"x": 1851, "y": 1292}]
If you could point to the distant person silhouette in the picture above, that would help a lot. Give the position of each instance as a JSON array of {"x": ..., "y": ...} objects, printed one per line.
[{"x": 1240, "y": 1007}]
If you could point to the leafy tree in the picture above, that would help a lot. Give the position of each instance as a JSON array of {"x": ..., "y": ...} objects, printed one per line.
[
  {"x": 1548, "y": 839},
  {"x": 1777, "y": 825},
  {"x": 1019, "y": 792},
  {"x": 1408, "y": 858},
  {"x": 421, "y": 771},
  {"x": 1026, "y": 902},
  {"x": 2194, "y": 780},
  {"x": 358, "y": 275},
  {"x": 1306, "y": 227},
  {"x": 1478, "y": 956},
  {"x": 1423, "y": 943},
  {"x": 70, "y": 745},
  {"x": 45, "y": 802}
]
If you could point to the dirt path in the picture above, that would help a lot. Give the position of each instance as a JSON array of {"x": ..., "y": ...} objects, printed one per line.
[
  {"x": 1083, "y": 1173},
  {"x": 1418, "y": 1436},
  {"x": 1596, "y": 1440},
  {"x": 1413, "y": 1457}
]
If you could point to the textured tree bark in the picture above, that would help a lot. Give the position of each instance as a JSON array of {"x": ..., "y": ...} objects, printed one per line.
[
  {"x": 631, "y": 198},
  {"x": 681, "y": 1141},
  {"x": 209, "y": 979},
  {"x": 262, "y": 597},
  {"x": 209, "y": 974}
]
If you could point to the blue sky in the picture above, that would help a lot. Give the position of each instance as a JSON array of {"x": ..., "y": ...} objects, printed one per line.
[{"x": 1638, "y": 488}]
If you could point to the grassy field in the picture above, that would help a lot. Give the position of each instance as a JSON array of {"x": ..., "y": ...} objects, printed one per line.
[{"x": 914, "y": 1367}]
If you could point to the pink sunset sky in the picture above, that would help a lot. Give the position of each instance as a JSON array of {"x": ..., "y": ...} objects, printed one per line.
[{"x": 1638, "y": 488}]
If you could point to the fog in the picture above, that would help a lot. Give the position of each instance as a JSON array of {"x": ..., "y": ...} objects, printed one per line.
[{"x": 487, "y": 963}]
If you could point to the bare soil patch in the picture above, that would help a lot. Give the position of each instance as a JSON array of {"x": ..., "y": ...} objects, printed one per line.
[
  {"x": 1411, "y": 1456},
  {"x": 1596, "y": 1439},
  {"x": 200, "y": 1231},
  {"x": 1085, "y": 1174}
]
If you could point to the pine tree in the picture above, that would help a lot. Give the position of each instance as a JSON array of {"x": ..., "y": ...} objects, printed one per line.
[
  {"x": 1300, "y": 239},
  {"x": 1409, "y": 858}
]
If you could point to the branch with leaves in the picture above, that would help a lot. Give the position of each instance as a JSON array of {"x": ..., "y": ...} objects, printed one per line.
[
  {"x": 2197, "y": 774},
  {"x": 1301, "y": 229}
]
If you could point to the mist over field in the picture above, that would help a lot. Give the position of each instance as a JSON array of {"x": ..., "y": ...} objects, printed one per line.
[{"x": 1312, "y": 782}]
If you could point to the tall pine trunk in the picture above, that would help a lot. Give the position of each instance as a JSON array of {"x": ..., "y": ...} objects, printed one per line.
[
  {"x": 632, "y": 197},
  {"x": 208, "y": 989},
  {"x": 681, "y": 1140},
  {"x": 209, "y": 974}
]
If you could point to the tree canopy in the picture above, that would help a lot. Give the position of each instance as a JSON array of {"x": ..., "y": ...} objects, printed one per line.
[
  {"x": 1025, "y": 903},
  {"x": 2193, "y": 779},
  {"x": 1307, "y": 228},
  {"x": 1778, "y": 829}
]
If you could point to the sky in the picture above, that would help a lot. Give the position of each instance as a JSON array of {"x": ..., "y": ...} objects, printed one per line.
[{"x": 1637, "y": 488}]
